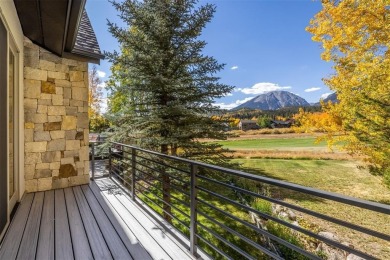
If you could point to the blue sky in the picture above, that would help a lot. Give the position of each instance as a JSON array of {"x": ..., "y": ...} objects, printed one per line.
[{"x": 262, "y": 42}]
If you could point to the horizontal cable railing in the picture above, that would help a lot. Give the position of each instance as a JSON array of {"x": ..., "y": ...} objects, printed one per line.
[{"x": 232, "y": 214}]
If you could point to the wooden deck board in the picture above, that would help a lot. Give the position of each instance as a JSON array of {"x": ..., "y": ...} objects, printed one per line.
[
  {"x": 99, "y": 247},
  {"x": 81, "y": 248},
  {"x": 114, "y": 242},
  {"x": 10, "y": 246},
  {"x": 63, "y": 242},
  {"x": 136, "y": 250},
  {"x": 87, "y": 222},
  {"x": 46, "y": 234},
  {"x": 29, "y": 242}
]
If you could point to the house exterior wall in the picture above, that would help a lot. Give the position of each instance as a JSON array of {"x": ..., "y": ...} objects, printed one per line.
[{"x": 55, "y": 120}]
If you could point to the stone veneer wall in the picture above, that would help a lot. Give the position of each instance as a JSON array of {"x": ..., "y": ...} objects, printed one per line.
[{"x": 56, "y": 120}]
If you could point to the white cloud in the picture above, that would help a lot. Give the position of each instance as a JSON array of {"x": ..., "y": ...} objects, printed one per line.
[
  {"x": 312, "y": 89},
  {"x": 323, "y": 96},
  {"x": 103, "y": 105},
  {"x": 101, "y": 74},
  {"x": 262, "y": 87},
  {"x": 234, "y": 68},
  {"x": 233, "y": 105}
]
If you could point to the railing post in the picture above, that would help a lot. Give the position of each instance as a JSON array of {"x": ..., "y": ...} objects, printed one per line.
[
  {"x": 109, "y": 162},
  {"x": 93, "y": 160},
  {"x": 133, "y": 169},
  {"x": 194, "y": 209}
]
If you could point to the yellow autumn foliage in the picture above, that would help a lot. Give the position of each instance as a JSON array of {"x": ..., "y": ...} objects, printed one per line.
[{"x": 355, "y": 36}]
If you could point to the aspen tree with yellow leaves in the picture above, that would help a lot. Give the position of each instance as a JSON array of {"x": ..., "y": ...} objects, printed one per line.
[{"x": 355, "y": 36}]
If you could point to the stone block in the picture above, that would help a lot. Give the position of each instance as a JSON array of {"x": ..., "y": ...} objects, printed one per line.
[
  {"x": 86, "y": 167},
  {"x": 54, "y": 118},
  {"x": 31, "y": 58},
  {"x": 50, "y": 157},
  {"x": 45, "y": 96},
  {"x": 37, "y": 74},
  {"x": 71, "y": 153},
  {"x": 78, "y": 84},
  {"x": 39, "y": 118},
  {"x": 55, "y": 165},
  {"x": 72, "y": 145},
  {"x": 42, "y": 173},
  {"x": 35, "y": 147},
  {"x": 42, "y": 109},
  {"x": 38, "y": 127},
  {"x": 82, "y": 120},
  {"x": 32, "y": 159},
  {"x": 28, "y": 135},
  {"x": 56, "y": 110},
  {"x": 62, "y": 68},
  {"x": 67, "y": 160},
  {"x": 66, "y": 102},
  {"x": 29, "y": 125},
  {"x": 86, "y": 136},
  {"x": 56, "y": 145},
  {"x": 45, "y": 102},
  {"x": 55, "y": 173},
  {"x": 45, "y": 184},
  {"x": 42, "y": 166},
  {"x": 60, "y": 183},
  {"x": 71, "y": 111},
  {"x": 48, "y": 87},
  {"x": 47, "y": 65},
  {"x": 63, "y": 83},
  {"x": 30, "y": 103},
  {"x": 57, "y": 134},
  {"x": 29, "y": 172},
  {"x": 60, "y": 91},
  {"x": 80, "y": 135},
  {"x": 84, "y": 153},
  {"x": 58, "y": 100},
  {"x": 80, "y": 94},
  {"x": 31, "y": 185},
  {"x": 41, "y": 136},
  {"x": 32, "y": 88},
  {"x": 67, "y": 93},
  {"x": 76, "y": 103},
  {"x": 79, "y": 180},
  {"x": 67, "y": 170},
  {"x": 76, "y": 76},
  {"x": 56, "y": 75},
  {"x": 70, "y": 134},
  {"x": 50, "y": 57},
  {"x": 69, "y": 62},
  {"x": 69, "y": 123},
  {"x": 52, "y": 126}
]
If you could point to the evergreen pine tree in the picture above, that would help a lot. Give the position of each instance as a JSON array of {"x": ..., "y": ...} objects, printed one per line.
[{"x": 162, "y": 85}]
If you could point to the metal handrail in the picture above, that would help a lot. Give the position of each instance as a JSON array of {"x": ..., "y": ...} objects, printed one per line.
[{"x": 131, "y": 153}]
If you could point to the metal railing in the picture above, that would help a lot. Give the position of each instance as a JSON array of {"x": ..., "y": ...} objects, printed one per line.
[{"x": 231, "y": 214}]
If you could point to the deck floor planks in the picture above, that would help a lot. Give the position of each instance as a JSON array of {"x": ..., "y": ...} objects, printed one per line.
[
  {"x": 10, "y": 247},
  {"x": 151, "y": 227},
  {"x": 63, "y": 241},
  {"x": 46, "y": 234},
  {"x": 154, "y": 249},
  {"x": 114, "y": 242},
  {"x": 81, "y": 247},
  {"x": 99, "y": 247},
  {"x": 29, "y": 242},
  {"x": 87, "y": 222},
  {"x": 136, "y": 250}
]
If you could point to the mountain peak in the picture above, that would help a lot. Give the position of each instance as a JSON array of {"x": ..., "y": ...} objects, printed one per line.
[{"x": 274, "y": 100}]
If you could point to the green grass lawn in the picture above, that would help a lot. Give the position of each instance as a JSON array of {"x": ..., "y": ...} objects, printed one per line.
[{"x": 274, "y": 143}]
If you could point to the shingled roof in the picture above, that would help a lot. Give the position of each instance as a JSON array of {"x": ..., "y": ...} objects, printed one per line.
[{"x": 86, "y": 43}]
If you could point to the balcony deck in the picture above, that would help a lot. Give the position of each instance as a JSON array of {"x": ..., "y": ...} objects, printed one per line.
[{"x": 95, "y": 221}]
